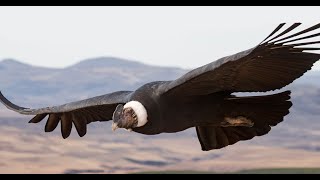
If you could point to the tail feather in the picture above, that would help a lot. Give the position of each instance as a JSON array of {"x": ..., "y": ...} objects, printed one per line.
[{"x": 263, "y": 111}]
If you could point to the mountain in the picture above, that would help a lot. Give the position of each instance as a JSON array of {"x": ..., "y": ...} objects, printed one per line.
[
  {"x": 38, "y": 86},
  {"x": 294, "y": 141},
  {"x": 34, "y": 86}
]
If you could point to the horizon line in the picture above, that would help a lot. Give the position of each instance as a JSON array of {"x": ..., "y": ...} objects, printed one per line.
[{"x": 89, "y": 59}]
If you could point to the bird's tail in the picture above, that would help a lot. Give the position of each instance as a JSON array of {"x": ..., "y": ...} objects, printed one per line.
[
  {"x": 244, "y": 118},
  {"x": 261, "y": 110}
]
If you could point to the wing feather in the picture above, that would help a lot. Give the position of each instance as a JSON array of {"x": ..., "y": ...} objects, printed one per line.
[
  {"x": 80, "y": 123},
  {"x": 52, "y": 122},
  {"x": 268, "y": 66},
  {"x": 79, "y": 113},
  {"x": 66, "y": 125}
]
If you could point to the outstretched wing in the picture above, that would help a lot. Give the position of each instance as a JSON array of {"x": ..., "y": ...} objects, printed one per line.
[
  {"x": 271, "y": 65},
  {"x": 79, "y": 113}
]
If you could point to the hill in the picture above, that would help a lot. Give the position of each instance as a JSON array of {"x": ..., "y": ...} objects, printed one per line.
[{"x": 26, "y": 148}]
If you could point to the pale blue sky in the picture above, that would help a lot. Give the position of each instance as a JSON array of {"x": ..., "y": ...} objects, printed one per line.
[{"x": 185, "y": 37}]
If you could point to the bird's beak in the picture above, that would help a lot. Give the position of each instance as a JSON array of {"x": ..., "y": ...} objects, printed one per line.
[{"x": 114, "y": 126}]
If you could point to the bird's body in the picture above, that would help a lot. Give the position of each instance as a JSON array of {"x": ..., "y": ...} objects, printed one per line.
[
  {"x": 217, "y": 110},
  {"x": 167, "y": 115},
  {"x": 170, "y": 115},
  {"x": 202, "y": 98}
]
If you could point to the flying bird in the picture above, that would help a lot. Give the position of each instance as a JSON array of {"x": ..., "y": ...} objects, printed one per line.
[{"x": 202, "y": 98}]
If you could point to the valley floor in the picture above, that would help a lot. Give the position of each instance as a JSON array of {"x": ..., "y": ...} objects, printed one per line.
[{"x": 33, "y": 151}]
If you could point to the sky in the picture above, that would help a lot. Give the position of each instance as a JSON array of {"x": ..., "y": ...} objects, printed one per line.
[{"x": 185, "y": 37}]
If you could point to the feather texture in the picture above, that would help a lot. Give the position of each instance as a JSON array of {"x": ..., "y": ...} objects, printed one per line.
[
  {"x": 79, "y": 113},
  {"x": 268, "y": 66}
]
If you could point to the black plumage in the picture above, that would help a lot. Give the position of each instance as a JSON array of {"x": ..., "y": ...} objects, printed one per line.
[{"x": 203, "y": 98}]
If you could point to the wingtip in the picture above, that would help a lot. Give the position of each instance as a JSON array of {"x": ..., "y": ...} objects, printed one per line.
[
  {"x": 14, "y": 107},
  {"x": 65, "y": 135},
  {"x": 1, "y": 95},
  {"x": 38, "y": 118},
  {"x": 273, "y": 32},
  {"x": 83, "y": 134},
  {"x": 317, "y": 26}
]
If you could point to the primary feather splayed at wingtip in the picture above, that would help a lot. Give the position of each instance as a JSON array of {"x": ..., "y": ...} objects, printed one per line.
[
  {"x": 279, "y": 38},
  {"x": 80, "y": 123},
  {"x": 38, "y": 118},
  {"x": 80, "y": 113},
  {"x": 285, "y": 62},
  {"x": 292, "y": 27},
  {"x": 274, "y": 31},
  {"x": 52, "y": 122},
  {"x": 271, "y": 65},
  {"x": 66, "y": 125}
]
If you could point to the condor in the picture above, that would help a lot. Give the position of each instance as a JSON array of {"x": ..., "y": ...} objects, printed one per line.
[{"x": 202, "y": 98}]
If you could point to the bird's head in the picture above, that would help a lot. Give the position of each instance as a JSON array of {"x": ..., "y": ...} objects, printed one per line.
[{"x": 133, "y": 114}]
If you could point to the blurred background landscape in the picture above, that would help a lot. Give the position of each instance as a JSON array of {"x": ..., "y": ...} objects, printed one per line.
[
  {"x": 26, "y": 148},
  {"x": 40, "y": 49}
]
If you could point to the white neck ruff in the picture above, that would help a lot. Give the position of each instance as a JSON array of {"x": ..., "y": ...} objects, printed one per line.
[{"x": 140, "y": 111}]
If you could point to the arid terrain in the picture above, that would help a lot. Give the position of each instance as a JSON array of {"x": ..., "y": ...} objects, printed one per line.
[
  {"x": 25, "y": 151},
  {"x": 26, "y": 148}
]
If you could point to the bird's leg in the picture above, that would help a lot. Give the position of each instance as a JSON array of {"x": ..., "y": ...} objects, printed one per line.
[{"x": 237, "y": 121}]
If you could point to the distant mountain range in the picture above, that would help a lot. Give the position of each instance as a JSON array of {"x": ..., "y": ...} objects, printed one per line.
[
  {"x": 33, "y": 86},
  {"x": 38, "y": 86}
]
